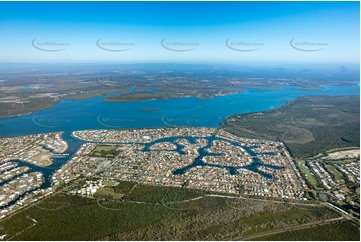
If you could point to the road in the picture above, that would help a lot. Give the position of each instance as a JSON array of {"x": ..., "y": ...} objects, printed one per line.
[
  {"x": 298, "y": 227},
  {"x": 32, "y": 219},
  {"x": 42, "y": 200}
]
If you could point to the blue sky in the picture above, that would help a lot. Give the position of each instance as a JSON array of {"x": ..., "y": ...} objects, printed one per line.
[{"x": 284, "y": 32}]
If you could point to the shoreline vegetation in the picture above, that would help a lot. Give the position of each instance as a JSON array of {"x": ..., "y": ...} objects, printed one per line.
[
  {"x": 127, "y": 97},
  {"x": 132, "y": 97},
  {"x": 308, "y": 125},
  {"x": 24, "y": 112},
  {"x": 161, "y": 95}
]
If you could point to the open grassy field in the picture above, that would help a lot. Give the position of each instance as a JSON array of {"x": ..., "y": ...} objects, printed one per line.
[
  {"x": 336, "y": 174},
  {"x": 109, "y": 151},
  {"x": 306, "y": 173},
  {"x": 109, "y": 192}
]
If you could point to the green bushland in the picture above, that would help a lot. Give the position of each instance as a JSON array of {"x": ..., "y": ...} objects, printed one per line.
[
  {"x": 353, "y": 138},
  {"x": 308, "y": 125},
  {"x": 172, "y": 91},
  {"x": 209, "y": 218},
  {"x": 99, "y": 92},
  {"x": 343, "y": 230},
  {"x": 123, "y": 187}
]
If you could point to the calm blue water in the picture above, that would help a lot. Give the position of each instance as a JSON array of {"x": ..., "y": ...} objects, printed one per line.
[{"x": 93, "y": 113}]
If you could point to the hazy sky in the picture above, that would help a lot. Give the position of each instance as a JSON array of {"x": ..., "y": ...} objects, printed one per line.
[{"x": 228, "y": 32}]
